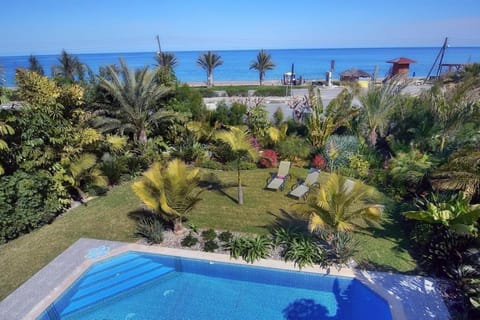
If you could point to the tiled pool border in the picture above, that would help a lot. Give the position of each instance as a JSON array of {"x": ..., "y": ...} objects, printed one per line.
[{"x": 409, "y": 297}]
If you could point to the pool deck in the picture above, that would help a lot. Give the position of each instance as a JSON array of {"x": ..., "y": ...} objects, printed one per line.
[{"x": 409, "y": 297}]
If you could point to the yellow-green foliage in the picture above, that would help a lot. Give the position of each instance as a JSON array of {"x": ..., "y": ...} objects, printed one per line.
[
  {"x": 72, "y": 95},
  {"x": 35, "y": 89},
  {"x": 359, "y": 165}
]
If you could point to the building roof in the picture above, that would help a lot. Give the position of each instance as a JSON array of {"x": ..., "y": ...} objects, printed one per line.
[
  {"x": 355, "y": 73},
  {"x": 402, "y": 60}
]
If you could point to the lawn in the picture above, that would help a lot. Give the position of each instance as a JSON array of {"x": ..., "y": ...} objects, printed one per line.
[{"x": 111, "y": 218}]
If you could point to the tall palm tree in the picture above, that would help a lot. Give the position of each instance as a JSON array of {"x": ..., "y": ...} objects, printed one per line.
[
  {"x": 209, "y": 61},
  {"x": 170, "y": 191},
  {"x": 238, "y": 141},
  {"x": 137, "y": 98},
  {"x": 377, "y": 105},
  {"x": 340, "y": 204},
  {"x": 166, "y": 60},
  {"x": 264, "y": 62},
  {"x": 69, "y": 67},
  {"x": 34, "y": 65}
]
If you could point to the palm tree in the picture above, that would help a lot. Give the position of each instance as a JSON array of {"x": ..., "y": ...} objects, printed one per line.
[
  {"x": 264, "y": 62},
  {"x": 69, "y": 67},
  {"x": 238, "y": 141},
  {"x": 209, "y": 61},
  {"x": 166, "y": 60},
  {"x": 340, "y": 204},
  {"x": 137, "y": 97},
  {"x": 34, "y": 65},
  {"x": 170, "y": 191},
  {"x": 377, "y": 104}
]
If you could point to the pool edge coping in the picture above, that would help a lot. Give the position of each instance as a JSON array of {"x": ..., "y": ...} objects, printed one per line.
[{"x": 78, "y": 248}]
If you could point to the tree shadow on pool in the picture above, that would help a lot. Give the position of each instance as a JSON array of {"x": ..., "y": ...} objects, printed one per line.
[{"x": 309, "y": 309}]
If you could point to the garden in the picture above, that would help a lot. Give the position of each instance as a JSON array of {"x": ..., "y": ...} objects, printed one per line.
[{"x": 143, "y": 156}]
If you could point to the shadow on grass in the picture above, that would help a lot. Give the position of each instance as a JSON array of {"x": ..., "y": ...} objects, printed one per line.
[
  {"x": 212, "y": 182},
  {"x": 287, "y": 220}
]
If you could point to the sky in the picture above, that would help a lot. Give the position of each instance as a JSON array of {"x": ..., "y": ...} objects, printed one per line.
[{"x": 91, "y": 26}]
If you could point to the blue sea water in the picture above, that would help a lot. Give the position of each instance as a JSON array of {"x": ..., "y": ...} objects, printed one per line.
[{"x": 309, "y": 63}]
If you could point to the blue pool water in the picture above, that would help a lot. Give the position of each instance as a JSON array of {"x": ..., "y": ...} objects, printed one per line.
[{"x": 138, "y": 286}]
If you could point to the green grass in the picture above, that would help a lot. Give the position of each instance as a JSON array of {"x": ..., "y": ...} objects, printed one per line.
[{"x": 110, "y": 218}]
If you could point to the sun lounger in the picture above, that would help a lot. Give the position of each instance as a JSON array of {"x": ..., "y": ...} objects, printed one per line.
[
  {"x": 301, "y": 189},
  {"x": 277, "y": 180}
]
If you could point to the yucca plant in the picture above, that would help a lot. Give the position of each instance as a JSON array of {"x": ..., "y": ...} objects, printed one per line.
[
  {"x": 170, "y": 191},
  {"x": 340, "y": 204}
]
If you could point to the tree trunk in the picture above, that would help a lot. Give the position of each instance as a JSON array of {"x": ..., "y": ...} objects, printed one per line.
[
  {"x": 142, "y": 137},
  {"x": 210, "y": 79},
  {"x": 372, "y": 137},
  {"x": 240, "y": 191},
  {"x": 261, "y": 78},
  {"x": 442, "y": 142}
]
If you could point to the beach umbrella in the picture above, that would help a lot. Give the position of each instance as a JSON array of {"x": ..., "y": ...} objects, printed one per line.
[{"x": 354, "y": 74}]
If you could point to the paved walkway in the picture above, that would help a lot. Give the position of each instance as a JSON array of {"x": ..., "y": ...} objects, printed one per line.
[{"x": 409, "y": 297}]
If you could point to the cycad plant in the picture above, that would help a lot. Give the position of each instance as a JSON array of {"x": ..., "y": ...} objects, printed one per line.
[
  {"x": 238, "y": 140},
  {"x": 263, "y": 63},
  {"x": 170, "y": 191},
  {"x": 209, "y": 61},
  {"x": 340, "y": 204}
]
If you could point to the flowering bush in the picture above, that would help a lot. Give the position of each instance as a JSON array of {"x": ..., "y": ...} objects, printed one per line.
[
  {"x": 269, "y": 159},
  {"x": 319, "y": 162}
]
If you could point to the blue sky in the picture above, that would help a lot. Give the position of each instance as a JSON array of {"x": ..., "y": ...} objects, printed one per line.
[{"x": 82, "y": 26}]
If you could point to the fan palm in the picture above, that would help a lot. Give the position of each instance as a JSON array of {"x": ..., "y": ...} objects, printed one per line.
[
  {"x": 35, "y": 66},
  {"x": 209, "y": 61},
  {"x": 263, "y": 63},
  {"x": 238, "y": 141},
  {"x": 171, "y": 191},
  {"x": 69, "y": 67},
  {"x": 340, "y": 204},
  {"x": 137, "y": 98}
]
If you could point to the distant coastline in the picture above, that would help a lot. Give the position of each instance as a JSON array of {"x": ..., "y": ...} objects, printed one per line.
[{"x": 311, "y": 64}]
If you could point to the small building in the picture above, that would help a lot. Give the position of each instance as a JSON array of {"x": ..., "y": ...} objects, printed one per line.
[{"x": 401, "y": 67}]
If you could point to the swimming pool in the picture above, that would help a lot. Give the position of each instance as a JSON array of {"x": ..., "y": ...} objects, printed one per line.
[{"x": 146, "y": 286}]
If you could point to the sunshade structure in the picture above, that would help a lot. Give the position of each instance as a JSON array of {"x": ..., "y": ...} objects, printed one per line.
[{"x": 354, "y": 74}]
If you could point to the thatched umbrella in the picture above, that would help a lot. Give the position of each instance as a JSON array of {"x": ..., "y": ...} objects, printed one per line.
[{"x": 354, "y": 74}]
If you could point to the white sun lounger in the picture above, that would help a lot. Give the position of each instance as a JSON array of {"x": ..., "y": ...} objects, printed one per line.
[
  {"x": 277, "y": 180},
  {"x": 301, "y": 189}
]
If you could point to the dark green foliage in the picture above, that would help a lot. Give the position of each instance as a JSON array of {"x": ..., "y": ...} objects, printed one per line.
[
  {"x": 250, "y": 249},
  {"x": 237, "y": 91},
  {"x": 278, "y": 117},
  {"x": 34, "y": 65},
  {"x": 151, "y": 228},
  {"x": 28, "y": 201},
  {"x": 222, "y": 152},
  {"x": 232, "y": 116},
  {"x": 225, "y": 236},
  {"x": 294, "y": 148},
  {"x": 210, "y": 246},
  {"x": 303, "y": 251},
  {"x": 206, "y": 92},
  {"x": 210, "y": 164},
  {"x": 189, "y": 240},
  {"x": 209, "y": 234},
  {"x": 244, "y": 165},
  {"x": 237, "y": 113},
  {"x": 113, "y": 167},
  {"x": 188, "y": 100}
]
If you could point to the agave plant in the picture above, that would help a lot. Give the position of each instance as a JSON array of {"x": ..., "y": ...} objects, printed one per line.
[{"x": 170, "y": 191}]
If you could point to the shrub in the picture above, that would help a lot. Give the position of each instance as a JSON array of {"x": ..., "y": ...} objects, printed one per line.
[
  {"x": 250, "y": 249},
  {"x": 278, "y": 117},
  {"x": 339, "y": 247},
  {"x": 269, "y": 159},
  {"x": 189, "y": 240},
  {"x": 28, "y": 201},
  {"x": 151, "y": 229},
  {"x": 303, "y": 251},
  {"x": 338, "y": 149},
  {"x": 210, "y": 164},
  {"x": 244, "y": 165},
  {"x": 209, "y": 234},
  {"x": 319, "y": 162},
  {"x": 270, "y": 91},
  {"x": 113, "y": 167},
  {"x": 225, "y": 236},
  {"x": 210, "y": 246},
  {"x": 294, "y": 148}
]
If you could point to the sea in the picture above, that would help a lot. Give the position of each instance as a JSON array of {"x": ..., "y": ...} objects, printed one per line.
[{"x": 311, "y": 64}]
